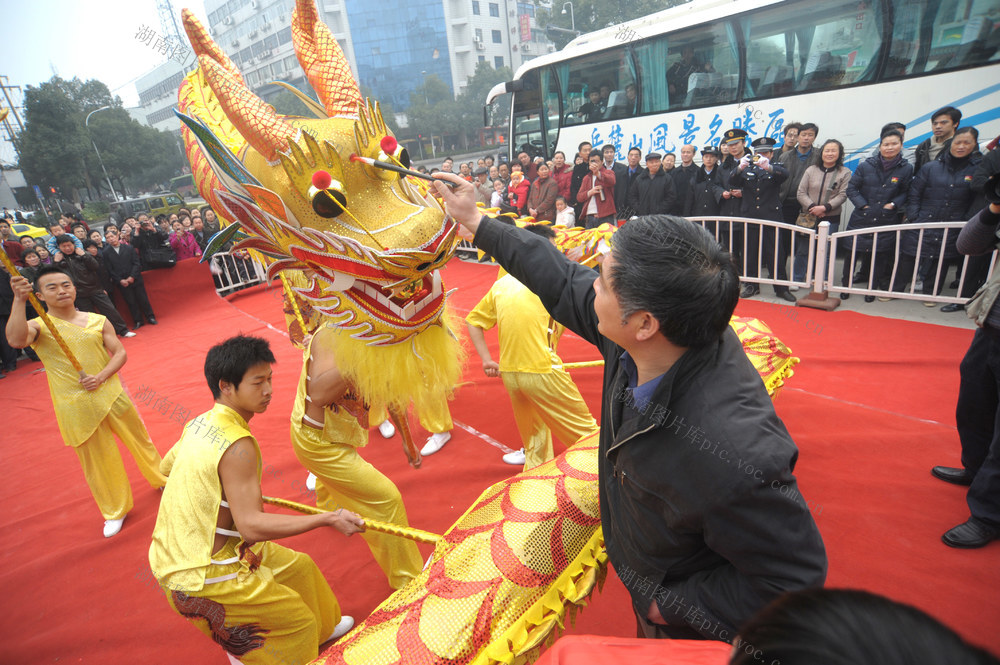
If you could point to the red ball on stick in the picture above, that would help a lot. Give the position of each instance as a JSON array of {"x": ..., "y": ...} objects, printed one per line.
[
  {"x": 389, "y": 144},
  {"x": 322, "y": 180}
]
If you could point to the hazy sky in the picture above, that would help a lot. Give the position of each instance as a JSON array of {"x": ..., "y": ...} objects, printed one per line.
[{"x": 90, "y": 39}]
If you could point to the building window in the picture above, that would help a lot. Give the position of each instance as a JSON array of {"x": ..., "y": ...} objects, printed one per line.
[
  {"x": 479, "y": 34},
  {"x": 494, "y": 9},
  {"x": 497, "y": 37},
  {"x": 482, "y": 58},
  {"x": 497, "y": 61},
  {"x": 475, "y": 7}
]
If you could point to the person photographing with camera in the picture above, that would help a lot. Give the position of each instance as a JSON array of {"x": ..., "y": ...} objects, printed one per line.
[
  {"x": 978, "y": 402},
  {"x": 597, "y": 194}
]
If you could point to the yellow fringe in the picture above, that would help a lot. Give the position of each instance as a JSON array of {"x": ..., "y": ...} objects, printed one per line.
[
  {"x": 541, "y": 623},
  {"x": 425, "y": 369}
]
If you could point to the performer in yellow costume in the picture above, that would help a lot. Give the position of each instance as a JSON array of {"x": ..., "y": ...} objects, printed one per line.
[
  {"x": 542, "y": 394},
  {"x": 94, "y": 409},
  {"x": 329, "y": 424},
  {"x": 262, "y": 602}
]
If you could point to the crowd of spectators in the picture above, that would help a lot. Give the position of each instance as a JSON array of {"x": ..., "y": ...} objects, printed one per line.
[{"x": 795, "y": 182}]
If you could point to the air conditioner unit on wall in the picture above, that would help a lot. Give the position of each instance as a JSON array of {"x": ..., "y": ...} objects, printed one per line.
[
  {"x": 229, "y": 20},
  {"x": 480, "y": 46}
]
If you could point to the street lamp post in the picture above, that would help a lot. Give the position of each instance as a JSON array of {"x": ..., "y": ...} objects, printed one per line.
[
  {"x": 572, "y": 18},
  {"x": 86, "y": 124}
]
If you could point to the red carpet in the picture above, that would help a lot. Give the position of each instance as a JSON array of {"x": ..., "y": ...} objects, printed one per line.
[{"x": 871, "y": 408}]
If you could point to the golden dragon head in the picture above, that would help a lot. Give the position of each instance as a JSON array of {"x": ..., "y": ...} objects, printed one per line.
[{"x": 370, "y": 240}]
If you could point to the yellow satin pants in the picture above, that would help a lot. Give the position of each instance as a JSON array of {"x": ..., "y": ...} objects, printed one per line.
[
  {"x": 279, "y": 613},
  {"x": 543, "y": 404},
  {"x": 346, "y": 480},
  {"x": 102, "y": 463},
  {"x": 434, "y": 420}
]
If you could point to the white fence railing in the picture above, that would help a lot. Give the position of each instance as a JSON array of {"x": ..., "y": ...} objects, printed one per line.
[
  {"x": 885, "y": 269},
  {"x": 235, "y": 271}
]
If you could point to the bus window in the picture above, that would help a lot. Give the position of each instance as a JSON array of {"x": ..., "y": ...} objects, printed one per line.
[
  {"x": 592, "y": 86},
  {"x": 527, "y": 131},
  {"x": 550, "y": 92},
  {"x": 702, "y": 69},
  {"x": 930, "y": 35},
  {"x": 812, "y": 46}
]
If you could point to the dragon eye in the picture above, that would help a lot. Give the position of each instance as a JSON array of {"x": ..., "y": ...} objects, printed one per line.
[
  {"x": 329, "y": 202},
  {"x": 404, "y": 157}
]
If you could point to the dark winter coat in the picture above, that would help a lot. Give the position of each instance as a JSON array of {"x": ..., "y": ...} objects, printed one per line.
[
  {"x": 870, "y": 189},
  {"x": 652, "y": 195},
  {"x": 704, "y": 197},
  {"x": 761, "y": 188},
  {"x": 941, "y": 192},
  {"x": 715, "y": 520}
]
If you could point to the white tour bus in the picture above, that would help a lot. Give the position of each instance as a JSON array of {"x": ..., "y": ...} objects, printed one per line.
[{"x": 689, "y": 73}]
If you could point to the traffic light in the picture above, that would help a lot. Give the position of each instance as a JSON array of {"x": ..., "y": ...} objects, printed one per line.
[{"x": 52, "y": 189}]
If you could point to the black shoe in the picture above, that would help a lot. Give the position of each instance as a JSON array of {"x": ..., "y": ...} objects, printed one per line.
[
  {"x": 749, "y": 291},
  {"x": 845, "y": 296},
  {"x": 869, "y": 298},
  {"x": 953, "y": 285},
  {"x": 138, "y": 324},
  {"x": 953, "y": 307},
  {"x": 785, "y": 295},
  {"x": 953, "y": 475},
  {"x": 152, "y": 320},
  {"x": 972, "y": 534}
]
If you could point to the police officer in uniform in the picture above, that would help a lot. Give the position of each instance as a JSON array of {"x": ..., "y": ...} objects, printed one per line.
[
  {"x": 704, "y": 195},
  {"x": 760, "y": 181},
  {"x": 734, "y": 143}
]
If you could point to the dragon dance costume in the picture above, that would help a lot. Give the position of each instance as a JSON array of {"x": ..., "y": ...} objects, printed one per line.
[
  {"x": 345, "y": 480},
  {"x": 262, "y": 603},
  {"x": 89, "y": 419}
]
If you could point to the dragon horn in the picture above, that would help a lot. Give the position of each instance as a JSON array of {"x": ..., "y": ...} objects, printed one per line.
[
  {"x": 255, "y": 119},
  {"x": 203, "y": 44},
  {"x": 323, "y": 61}
]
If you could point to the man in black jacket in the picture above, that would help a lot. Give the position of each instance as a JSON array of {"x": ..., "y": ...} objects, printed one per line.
[
  {"x": 123, "y": 267},
  {"x": 653, "y": 192},
  {"x": 90, "y": 293},
  {"x": 580, "y": 172},
  {"x": 701, "y": 513}
]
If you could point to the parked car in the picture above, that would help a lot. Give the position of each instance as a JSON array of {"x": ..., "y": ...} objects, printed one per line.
[
  {"x": 19, "y": 229},
  {"x": 164, "y": 203}
]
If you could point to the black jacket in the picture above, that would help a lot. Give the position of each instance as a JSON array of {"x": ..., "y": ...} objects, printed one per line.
[
  {"x": 716, "y": 523},
  {"x": 704, "y": 195},
  {"x": 761, "y": 191},
  {"x": 86, "y": 273},
  {"x": 682, "y": 176},
  {"x": 870, "y": 189},
  {"x": 923, "y": 152},
  {"x": 940, "y": 192},
  {"x": 621, "y": 185},
  {"x": 123, "y": 264},
  {"x": 652, "y": 195}
]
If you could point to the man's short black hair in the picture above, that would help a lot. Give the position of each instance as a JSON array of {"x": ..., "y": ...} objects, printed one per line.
[
  {"x": 48, "y": 270},
  {"x": 543, "y": 230},
  {"x": 898, "y": 126},
  {"x": 583, "y": 143},
  {"x": 89, "y": 243},
  {"x": 230, "y": 360},
  {"x": 891, "y": 132},
  {"x": 789, "y": 126},
  {"x": 950, "y": 111},
  {"x": 636, "y": 148},
  {"x": 809, "y": 126},
  {"x": 675, "y": 270},
  {"x": 28, "y": 252},
  {"x": 65, "y": 238}
]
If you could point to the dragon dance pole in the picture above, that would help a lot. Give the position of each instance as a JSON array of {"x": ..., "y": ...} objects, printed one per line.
[
  {"x": 295, "y": 304},
  {"x": 373, "y": 525},
  {"x": 44, "y": 316},
  {"x": 589, "y": 363}
]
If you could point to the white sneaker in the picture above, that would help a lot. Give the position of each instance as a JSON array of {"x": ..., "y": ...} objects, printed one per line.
[
  {"x": 345, "y": 625},
  {"x": 111, "y": 527},
  {"x": 311, "y": 482},
  {"x": 515, "y": 458},
  {"x": 435, "y": 442},
  {"x": 386, "y": 430},
  {"x": 793, "y": 288},
  {"x": 129, "y": 333}
]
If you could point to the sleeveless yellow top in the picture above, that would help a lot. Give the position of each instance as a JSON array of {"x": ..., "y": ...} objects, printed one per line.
[
  {"x": 181, "y": 552},
  {"x": 78, "y": 411},
  {"x": 339, "y": 426}
]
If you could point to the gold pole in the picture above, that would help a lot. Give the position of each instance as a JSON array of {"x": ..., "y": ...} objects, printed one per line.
[
  {"x": 43, "y": 315},
  {"x": 589, "y": 363},
  {"x": 373, "y": 525}
]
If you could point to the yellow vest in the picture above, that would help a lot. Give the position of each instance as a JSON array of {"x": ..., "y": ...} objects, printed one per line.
[
  {"x": 181, "y": 552},
  {"x": 78, "y": 411},
  {"x": 339, "y": 426},
  {"x": 528, "y": 335}
]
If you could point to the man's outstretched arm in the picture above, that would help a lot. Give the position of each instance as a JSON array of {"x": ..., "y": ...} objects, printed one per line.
[{"x": 565, "y": 288}]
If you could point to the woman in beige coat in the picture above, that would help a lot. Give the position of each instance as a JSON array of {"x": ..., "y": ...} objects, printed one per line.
[{"x": 822, "y": 191}]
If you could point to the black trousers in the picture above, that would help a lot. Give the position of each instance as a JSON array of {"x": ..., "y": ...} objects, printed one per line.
[
  {"x": 882, "y": 265},
  {"x": 100, "y": 303},
  {"x": 135, "y": 297},
  {"x": 904, "y": 270},
  {"x": 766, "y": 239},
  {"x": 978, "y": 418},
  {"x": 8, "y": 354}
]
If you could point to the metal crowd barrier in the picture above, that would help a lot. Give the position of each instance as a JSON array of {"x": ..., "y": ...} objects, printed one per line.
[{"x": 235, "y": 273}]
